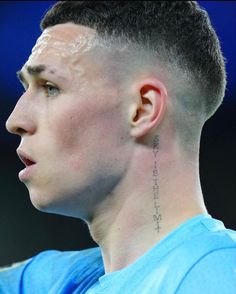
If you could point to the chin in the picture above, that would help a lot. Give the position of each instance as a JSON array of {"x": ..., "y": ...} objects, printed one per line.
[
  {"x": 41, "y": 201},
  {"x": 41, "y": 205},
  {"x": 50, "y": 203}
]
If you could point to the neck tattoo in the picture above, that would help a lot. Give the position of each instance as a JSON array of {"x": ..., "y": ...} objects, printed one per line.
[{"x": 155, "y": 188}]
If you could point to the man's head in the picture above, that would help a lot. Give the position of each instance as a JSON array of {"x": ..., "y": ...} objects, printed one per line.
[
  {"x": 103, "y": 77},
  {"x": 171, "y": 39}
]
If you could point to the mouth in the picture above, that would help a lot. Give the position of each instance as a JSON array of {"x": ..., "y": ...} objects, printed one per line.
[
  {"x": 26, "y": 159},
  {"x": 30, "y": 165}
]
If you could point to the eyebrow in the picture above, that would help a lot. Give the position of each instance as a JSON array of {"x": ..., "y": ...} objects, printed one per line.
[{"x": 33, "y": 71}]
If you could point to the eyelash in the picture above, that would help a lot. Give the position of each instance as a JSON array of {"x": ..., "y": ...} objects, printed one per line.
[{"x": 47, "y": 86}]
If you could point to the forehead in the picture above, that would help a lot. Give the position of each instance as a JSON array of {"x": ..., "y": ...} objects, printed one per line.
[
  {"x": 64, "y": 41},
  {"x": 70, "y": 50}
]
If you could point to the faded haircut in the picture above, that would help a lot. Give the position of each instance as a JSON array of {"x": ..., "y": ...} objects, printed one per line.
[{"x": 176, "y": 32}]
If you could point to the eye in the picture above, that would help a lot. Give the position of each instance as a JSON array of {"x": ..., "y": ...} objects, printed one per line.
[{"x": 50, "y": 89}]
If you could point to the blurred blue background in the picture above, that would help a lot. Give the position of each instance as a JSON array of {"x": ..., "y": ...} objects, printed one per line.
[
  {"x": 34, "y": 231},
  {"x": 19, "y": 25}
]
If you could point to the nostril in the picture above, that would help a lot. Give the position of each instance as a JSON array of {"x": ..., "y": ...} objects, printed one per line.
[
  {"x": 17, "y": 127},
  {"x": 15, "y": 130},
  {"x": 20, "y": 123},
  {"x": 11, "y": 126},
  {"x": 19, "y": 131}
]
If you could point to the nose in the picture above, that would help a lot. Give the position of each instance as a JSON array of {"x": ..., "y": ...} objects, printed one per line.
[{"x": 21, "y": 119}]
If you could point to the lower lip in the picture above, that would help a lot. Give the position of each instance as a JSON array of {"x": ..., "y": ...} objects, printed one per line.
[{"x": 26, "y": 173}]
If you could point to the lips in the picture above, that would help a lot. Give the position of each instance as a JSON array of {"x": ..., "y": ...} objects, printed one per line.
[
  {"x": 30, "y": 166},
  {"x": 25, "y": 158}
]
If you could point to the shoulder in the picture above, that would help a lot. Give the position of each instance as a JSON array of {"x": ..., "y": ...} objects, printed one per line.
[
  {"x": 214, "y": 272},
  {"x": 211, "y": 261},
  {"x": 57, "y": 261},
  {"x": 210, "y": 235},
  {"x": 57, "y": 266},
  {"x": 66, "y": 258},
  {"x": 46, "y": 268}
]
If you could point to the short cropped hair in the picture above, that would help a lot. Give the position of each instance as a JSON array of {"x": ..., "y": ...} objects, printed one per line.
[{"x": 179, "y": 32}]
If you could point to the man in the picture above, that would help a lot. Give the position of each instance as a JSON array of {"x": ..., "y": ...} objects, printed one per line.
[{"x": 116, "y": 94}]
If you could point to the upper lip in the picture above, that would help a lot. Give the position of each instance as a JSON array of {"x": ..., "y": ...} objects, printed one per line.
[{"x": 25, "y": 158}]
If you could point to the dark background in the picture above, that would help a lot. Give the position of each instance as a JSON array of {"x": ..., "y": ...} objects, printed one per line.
[{"x": 24, "y": 231}]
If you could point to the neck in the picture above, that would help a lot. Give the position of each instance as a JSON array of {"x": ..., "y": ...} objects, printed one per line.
[{"x": 154, "y": 197}]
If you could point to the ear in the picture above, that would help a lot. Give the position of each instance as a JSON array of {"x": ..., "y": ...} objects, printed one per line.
[{"x": 148, "y": 111}]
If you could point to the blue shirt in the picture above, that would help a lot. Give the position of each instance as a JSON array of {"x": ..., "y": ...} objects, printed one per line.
[{"x": 198, "y": 257}]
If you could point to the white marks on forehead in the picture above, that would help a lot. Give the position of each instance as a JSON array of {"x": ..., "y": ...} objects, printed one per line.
[
  {"x": 75, "y": 48},
  {"x": 61, "y": 46}
]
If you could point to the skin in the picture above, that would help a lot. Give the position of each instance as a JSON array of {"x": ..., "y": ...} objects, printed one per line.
[{"x": 93, "y": 148}]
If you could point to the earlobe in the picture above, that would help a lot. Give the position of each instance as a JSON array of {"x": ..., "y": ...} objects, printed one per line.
[{"x": 149, "y": 110}]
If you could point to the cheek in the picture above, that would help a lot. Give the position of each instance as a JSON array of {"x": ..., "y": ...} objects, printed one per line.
[
  {"x": 68, "y": 128},
  {"x": 69, "y": 140},
  {"x": 73, "y": 132},
  {"x": 83, "y": 133}
]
